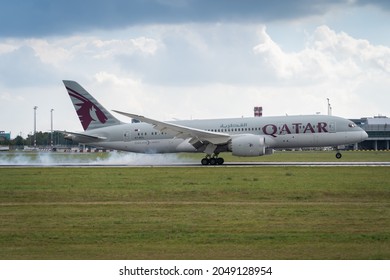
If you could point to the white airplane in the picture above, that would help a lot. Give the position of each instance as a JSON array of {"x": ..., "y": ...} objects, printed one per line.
[{"x": 255, "y": 136}]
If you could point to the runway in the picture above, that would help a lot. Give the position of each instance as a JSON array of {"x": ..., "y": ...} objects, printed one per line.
[
  {"x": 117, "y": 159},
  {"x": 309, "y": 164},
  {"x": 192, "y": 164}
]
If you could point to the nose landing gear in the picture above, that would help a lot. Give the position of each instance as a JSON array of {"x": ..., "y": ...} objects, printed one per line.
[{"x": 338, "y": 155}]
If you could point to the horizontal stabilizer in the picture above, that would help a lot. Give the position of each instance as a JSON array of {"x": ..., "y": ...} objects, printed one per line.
[{"x": 76, "y": 136}]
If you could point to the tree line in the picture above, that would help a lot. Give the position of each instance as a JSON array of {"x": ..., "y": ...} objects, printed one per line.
[{"x": 42, "y": 139}]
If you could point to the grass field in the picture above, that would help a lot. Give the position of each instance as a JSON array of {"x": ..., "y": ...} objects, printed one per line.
[{"x": 195, "y": 213}]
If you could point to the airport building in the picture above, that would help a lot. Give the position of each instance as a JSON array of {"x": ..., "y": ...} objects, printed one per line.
[
  {"x": 378, "y": 130},
  {"x": 4, "y": 136}
]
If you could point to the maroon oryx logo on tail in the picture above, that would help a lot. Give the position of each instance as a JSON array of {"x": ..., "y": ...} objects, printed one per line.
[{"x": 87, "y": 111}]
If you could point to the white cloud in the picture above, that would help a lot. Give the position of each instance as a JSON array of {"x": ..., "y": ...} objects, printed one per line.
[
  {"x": 6, "y": 47},
  {"x": 113, "y": 80},
  {"x": 59, "y": 51},
  {"x": 332, "y": 64},
  {"x": 49, "y": 53},
  {"x": 120, "y": 92},
  {"x": 344, "y": 48},
  {"x": 6, "y": 96},
  {"x": 110, "y": 48},
  {"x": 328, "y": 56}
]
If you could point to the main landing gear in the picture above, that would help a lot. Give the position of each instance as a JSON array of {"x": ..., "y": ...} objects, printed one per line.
[{"x": 212, "y": 160}]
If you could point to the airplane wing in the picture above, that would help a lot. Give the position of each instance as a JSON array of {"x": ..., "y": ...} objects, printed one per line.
[{"x": 183, "y": 132}]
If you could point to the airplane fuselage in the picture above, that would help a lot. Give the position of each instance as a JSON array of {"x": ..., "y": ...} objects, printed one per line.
[
  {"x": 254, "y": 136},
  {"x": 277, "y": 132}
]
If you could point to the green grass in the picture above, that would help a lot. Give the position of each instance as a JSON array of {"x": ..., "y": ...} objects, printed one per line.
[{"x": 195, "y": 213}]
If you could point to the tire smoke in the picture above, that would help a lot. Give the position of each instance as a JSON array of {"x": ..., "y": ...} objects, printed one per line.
[{"x": 103, "y": 159}]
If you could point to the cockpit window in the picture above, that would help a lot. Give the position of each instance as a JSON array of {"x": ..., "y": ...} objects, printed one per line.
[{"x": 352, "y": 125}]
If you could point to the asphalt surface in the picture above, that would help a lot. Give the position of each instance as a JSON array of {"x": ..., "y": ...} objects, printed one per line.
[{"x": 226, "y": 164}]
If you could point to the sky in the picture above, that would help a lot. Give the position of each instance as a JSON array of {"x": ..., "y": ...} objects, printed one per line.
[{"x": 192, "y": 59}]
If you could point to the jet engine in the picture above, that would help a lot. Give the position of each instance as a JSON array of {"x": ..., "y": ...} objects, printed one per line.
[{"x": 247, "y": 146}]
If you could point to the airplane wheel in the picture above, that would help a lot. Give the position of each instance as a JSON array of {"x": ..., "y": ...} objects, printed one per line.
[
  {"x": 338, "y": 155},
  {"x": 220, "y": 161},
  {"x": 205, "y": 161},
  {"x": 213, "y": 161}
]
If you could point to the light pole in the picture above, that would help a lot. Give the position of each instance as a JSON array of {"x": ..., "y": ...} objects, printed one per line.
[
  {"x": 329, "y": 108},
  {"x": 51, "y": 135},
  {"x": 35, "y": 126}
]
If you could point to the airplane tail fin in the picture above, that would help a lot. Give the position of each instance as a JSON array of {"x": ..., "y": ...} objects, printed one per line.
[{"x": 91, "y": 113}]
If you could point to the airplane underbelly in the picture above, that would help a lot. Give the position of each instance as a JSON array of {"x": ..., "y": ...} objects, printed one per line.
[
  {"x": 150, "y": 146},
  {"x": 335, "y": 139},
  {"x": 296, "y": 141},
  {"x": 315, "y": 140}
]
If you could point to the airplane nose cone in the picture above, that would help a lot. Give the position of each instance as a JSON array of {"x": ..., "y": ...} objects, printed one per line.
[{"x": 364, "y": 135}]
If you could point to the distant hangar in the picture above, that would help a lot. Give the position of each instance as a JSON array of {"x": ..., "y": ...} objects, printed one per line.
[{"x": 378, "y": 130}]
